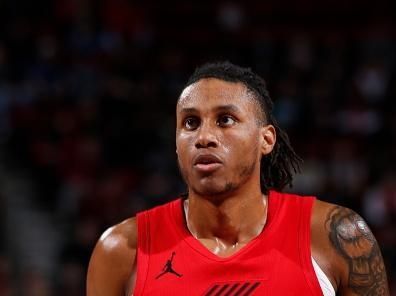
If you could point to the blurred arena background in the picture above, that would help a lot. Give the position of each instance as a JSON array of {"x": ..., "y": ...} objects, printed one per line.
[{"x": 87, "y": 100}]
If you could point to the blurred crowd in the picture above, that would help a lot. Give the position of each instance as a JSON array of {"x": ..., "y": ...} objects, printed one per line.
[{"x": 87, "y": 101}]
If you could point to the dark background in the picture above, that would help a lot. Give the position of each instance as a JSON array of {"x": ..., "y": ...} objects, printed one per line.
[{"x": 87, "y": 101}]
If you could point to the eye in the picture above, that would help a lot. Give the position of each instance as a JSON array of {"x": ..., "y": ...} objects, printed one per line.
[
  {"x": 226, "y": 120},
  {"x": 191, "y": 123}
]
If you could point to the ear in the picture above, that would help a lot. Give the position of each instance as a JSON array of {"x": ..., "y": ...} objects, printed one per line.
[{"x": 267, "y": 139}]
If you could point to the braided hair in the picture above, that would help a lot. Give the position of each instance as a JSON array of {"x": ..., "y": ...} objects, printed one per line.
[{"x": 278, "y": 167}]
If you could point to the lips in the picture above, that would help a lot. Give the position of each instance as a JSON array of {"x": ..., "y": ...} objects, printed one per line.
[
  {"x": 206, "y": 159},
  {"x": 207, "y": 163}
]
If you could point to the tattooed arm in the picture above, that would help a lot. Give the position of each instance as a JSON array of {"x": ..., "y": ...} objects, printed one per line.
[{"x": 351, "y": 255}]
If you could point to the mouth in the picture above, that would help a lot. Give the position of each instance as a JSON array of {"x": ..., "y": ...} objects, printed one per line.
[{"x": 207, "y": 163}]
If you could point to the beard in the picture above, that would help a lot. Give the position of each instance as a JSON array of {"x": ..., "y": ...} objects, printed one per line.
[{"x": 215, "y": 185}]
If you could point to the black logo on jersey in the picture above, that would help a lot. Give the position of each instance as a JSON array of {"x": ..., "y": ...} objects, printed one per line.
[
  {"x": 168, "y": 268},
  {"x": 232, "y": 289}
]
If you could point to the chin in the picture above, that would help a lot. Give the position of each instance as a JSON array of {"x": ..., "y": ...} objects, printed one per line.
[{"x": 213, "y": 189}]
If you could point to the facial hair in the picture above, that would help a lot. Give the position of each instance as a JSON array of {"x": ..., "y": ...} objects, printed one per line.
[{"x": 245, "y": 172}]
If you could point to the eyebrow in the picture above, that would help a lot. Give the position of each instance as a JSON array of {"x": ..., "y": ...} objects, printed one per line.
[
  {"x": 227, "y": 108},
  {"x": 222, "y": 108}
]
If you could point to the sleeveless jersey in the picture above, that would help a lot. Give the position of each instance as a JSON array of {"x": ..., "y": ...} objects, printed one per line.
[{"x": 170, "y": 261}]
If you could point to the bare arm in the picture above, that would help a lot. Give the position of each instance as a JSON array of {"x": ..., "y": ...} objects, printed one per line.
[
  {"x": 346, "y": 250},
  {"x": 112, "y": 263},
  {"x": 364, "y": 271}
]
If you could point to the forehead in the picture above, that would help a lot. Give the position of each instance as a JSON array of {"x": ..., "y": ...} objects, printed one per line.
[{"x": 212, "y": 92}]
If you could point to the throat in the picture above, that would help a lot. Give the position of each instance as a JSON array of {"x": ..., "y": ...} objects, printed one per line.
[{"x": 222, "y": 231}]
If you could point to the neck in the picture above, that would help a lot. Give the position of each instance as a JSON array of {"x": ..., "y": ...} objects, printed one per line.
[{"x": 236, "y": 219}]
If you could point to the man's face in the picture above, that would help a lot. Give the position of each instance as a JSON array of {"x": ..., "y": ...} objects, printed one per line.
[{"x": 219, "y": 139}]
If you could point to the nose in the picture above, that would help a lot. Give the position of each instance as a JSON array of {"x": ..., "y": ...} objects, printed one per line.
[{"x": 206, "y": 137}]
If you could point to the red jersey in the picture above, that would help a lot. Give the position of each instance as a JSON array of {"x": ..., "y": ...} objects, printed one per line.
[{"x": 170, "y": 261}]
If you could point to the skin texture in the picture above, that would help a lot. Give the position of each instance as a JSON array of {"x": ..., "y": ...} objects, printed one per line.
[{"x": 226, "y": 208}]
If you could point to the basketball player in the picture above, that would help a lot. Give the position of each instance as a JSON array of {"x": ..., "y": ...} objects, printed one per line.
[{"x": 235, "y": 233}]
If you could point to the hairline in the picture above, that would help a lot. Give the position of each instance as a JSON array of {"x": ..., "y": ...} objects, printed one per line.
[{"x": 261, "y": 114}]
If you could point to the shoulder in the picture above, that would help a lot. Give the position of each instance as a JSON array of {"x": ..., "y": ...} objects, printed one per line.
[
  {"x": 119, "y": 240},
  {"x": 345, "y": 248},
  {"x": 113, "y": 259}
]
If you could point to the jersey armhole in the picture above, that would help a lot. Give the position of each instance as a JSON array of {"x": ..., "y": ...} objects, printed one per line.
[
  {"x": 324, "y": 282},
  {"x": 304, "y": 245},
  {"x": 142, "y": 253}
]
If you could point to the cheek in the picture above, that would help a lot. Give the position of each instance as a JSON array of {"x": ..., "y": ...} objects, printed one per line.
[
  {"x": 243, "y": 145},
  {"x": 182, "y": 146}
]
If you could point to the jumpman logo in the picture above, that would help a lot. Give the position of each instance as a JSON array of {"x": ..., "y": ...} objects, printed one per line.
[{"x": 168, "y": 268}]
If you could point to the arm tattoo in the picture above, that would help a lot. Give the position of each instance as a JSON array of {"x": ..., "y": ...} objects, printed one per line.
[{"x": 353, "y": 240}]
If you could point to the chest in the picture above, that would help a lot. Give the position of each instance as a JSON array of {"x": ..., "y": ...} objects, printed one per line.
[
  {"x": 250, "y": 271},
  {"x": 172, "y": 262}
]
